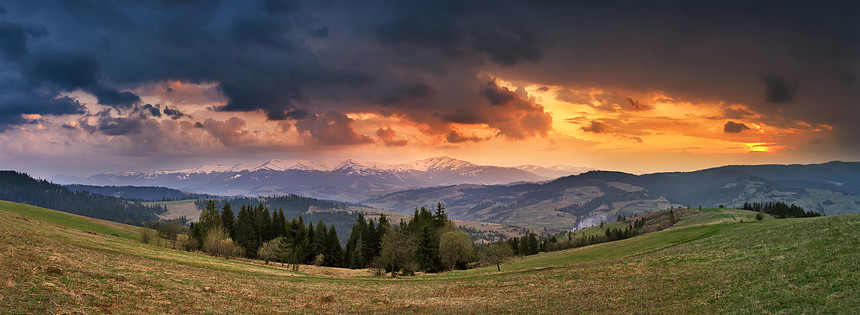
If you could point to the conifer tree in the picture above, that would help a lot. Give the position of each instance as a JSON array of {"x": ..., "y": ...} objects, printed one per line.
[
  {"x": 246, "y": 231},
  {"x": 333, "y": 250},
  {"x": 228, "y": 220}
]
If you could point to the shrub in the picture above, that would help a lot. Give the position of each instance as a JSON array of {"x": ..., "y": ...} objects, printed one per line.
[{"x": 146, "y": 235}]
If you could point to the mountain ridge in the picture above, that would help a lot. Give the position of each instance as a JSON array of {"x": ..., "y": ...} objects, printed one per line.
[
  {"x": 583, "y": 200},
  {"x": 347, "y": 180}
]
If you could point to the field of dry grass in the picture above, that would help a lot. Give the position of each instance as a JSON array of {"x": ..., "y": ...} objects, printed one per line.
[{"x": 51, "y": 262}]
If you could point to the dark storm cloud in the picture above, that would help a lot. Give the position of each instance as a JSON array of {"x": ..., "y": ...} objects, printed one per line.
[
  {"x": 427, "y": 61},
  {"x": 117, "y": 126},
  {"x": 407, "y": 94},
  {"x": 733, "y": 127},
  {"x": 67, "y": 70},
  {"x": 173, "y": 113},
  {"x": 779, "y": 89},
  {"x": 506, "y": 47},
  {"x": 320, "y": 33},
  {"x": 497, "y": 95},
  {"x": 112, "y": 97},
  {"x": 13, "y": 40},
  {"x": 331, "y": 128},
  {"x": 152, "y": 110}
]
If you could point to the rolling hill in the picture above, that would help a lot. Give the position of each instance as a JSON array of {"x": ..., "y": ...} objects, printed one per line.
[
  {"x": 586, "y": 199},
  {"x": 20, "y": 187},
  {"x": 55, "y": 262}
]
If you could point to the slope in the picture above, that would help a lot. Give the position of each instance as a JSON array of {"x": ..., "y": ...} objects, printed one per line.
[
  {"x": 587, "y": 199},
  {"x": 52, "y": 264},
  {"x": 21, "y": 187}
]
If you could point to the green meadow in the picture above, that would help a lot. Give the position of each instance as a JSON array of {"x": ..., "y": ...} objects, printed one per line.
[{"x": 716, "y": 261}]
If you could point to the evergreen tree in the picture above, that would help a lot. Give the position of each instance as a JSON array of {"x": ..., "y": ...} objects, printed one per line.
[
  {"x": 228, "y": 220},
  {"x": 333, "y": 251},
  {"x": 427, "y": 251},
  {"x": 440, "y": 217},
  {"x": 278, "y": 223},
  {"x": 371, "y": 242},
  {"x": 533, "y": 244},
  {"x": 266, "y": 229},
  {"x": 320, "y": 240},
  {"x": 357, "y": 259},
  {"x": 515, "y": 245},
  {"x": 210, "y": 218},
  {"x": 246, "y": 231},
  {"x": 383, "y": 226}
]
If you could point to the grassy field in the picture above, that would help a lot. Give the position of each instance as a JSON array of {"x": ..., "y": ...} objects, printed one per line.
[
  {"x": 52, "y": 262},
  {"x": 178, "y": 208}
]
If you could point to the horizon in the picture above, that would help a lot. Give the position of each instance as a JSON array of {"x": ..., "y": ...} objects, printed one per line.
[
  {"x": 333, "y": 162},
  {"x": 641, "y": 87}
]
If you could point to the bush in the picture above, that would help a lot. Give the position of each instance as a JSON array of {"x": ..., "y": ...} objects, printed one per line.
[
  {"x": 218, "y": 244},
  {"x": 146, "y": 235},
  {"x": 188, "y": 243}
]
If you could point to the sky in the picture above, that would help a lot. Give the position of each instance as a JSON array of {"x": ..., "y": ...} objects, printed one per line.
[{"x": 92, "y": 86}]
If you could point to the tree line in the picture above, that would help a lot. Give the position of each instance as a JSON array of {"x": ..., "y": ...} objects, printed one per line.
[
  {"x": 427, "y": 242},
  {"x": 780, "y": 210}
]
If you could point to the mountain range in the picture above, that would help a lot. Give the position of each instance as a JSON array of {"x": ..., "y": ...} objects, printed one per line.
[
  {"x": 519, "y": 196},
  {"x": 586, "y": 199},
  {"x": 349, "y": 180}
]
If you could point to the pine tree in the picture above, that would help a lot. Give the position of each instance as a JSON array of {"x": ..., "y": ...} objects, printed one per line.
[
  {"x": 210, "y": 218},
  {"x": 427, "y": 251},
  {"x": 228, "y": 220},
  {"x": 533, "y": 244},
  {"x": 266, "y": 229},
  {"x": 320, "y": 240},
  {"x": 333, "y": 251},
  {"x": 246, "y": 231}
]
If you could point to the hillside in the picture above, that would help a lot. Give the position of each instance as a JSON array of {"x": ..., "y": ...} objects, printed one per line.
[
  {"x": 584, "y": 200},
  {"x": 20, "y": 187},
  {"x": 61, "y": 263},
  {"x": 138, "y": 192}
]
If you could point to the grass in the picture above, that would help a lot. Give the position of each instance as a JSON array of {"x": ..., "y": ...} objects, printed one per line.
[
  {"x": 719, "y": 215},
  {"x": 178, "y": 208},
  {"x": 51, "y": 262}
]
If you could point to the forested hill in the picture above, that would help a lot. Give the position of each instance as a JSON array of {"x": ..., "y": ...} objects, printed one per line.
[
  {"x": 20, "y": 187},
  {"x": 147, "y": 193},
  {"x": 293, "y": 205}
]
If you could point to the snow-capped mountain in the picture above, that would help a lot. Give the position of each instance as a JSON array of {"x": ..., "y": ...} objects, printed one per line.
[{"x": 347, "y": 180}]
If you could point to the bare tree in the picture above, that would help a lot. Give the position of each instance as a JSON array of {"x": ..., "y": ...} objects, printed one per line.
[{"x": 496, "y": 253}]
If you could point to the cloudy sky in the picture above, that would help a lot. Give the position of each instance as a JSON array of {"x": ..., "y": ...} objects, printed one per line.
[{"x": 89, "y": 86}]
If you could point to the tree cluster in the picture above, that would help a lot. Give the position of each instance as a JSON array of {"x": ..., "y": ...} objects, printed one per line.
[
  {"x": 428, "y": 242},
  {"x": 780, "y": 210},
  {"x": 253, "y": 230}
]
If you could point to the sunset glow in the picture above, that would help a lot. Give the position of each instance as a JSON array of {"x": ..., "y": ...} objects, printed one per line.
[{"x": 641, "y": 98}]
